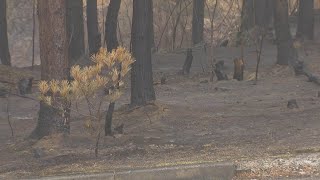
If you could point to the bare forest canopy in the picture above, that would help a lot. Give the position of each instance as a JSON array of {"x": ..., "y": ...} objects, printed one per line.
[{"x": 172, "y": 24}]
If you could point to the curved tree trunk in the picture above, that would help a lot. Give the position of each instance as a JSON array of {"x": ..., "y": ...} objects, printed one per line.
[
  {"x": 54, "y": 62},
  {"x": 306, "y": 19},
  {"x": 4, "y": 45},
  {"x": 286, "y": 51},
  {"x": 142, "y": 89},
  {"x": 111, "y": 25},
  {"x": 94, "y": 36},
  {"x": 75, "y": 30},
  {"x": 197, "y": 21}
]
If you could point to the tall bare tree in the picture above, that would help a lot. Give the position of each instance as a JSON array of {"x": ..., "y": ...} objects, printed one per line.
[
  {"x": 151, "y": 24},
  {"x": 4, "y": 45},
  {"x": 197, "y": 21},
  {"x": 75, "y": 29},
  {"x": 54, "y": 62},
  {"x": 112, "y": 43},
  {"x": 256, "y": 12},
  {"x": 94, "y": 36},
  {"x": 247, "y": 15},
  {"x": 306, "y": 19},
  {"x": 263, "y": 12},
  {"x": 286, "y": 51},
  {"x": 111, "y": 24},
  {"x": 142, "y": 90}
]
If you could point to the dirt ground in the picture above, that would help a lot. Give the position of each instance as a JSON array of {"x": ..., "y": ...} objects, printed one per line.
[{"x": 192, "y": 121}]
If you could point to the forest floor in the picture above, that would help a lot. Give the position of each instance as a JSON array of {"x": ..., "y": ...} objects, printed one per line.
[{"x": 192, "y": 121}]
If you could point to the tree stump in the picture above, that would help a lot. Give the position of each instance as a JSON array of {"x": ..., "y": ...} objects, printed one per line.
[
  {"x": 224, "y": 43},
  {"x": 238, "y": 69},
  {"x": 218, "y": 70},
  {"x": 292, "y": 104},
  {"x": 187, "y": 63},
  {"x": 25, "y": 86}
]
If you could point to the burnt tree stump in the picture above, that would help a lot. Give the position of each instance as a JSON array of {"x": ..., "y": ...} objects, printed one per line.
[
  {"x": 187, "y": 63},
  {"x": 292, "y": 104},
  {"x": 25, "y": 86},
  {"x": 238, "y": 69},
  {"x": 218, "y": 70}
]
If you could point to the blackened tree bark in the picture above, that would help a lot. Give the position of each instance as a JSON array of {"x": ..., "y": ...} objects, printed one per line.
[
  {"x": 111, "y": 25},
  {"x": 75, "y": 30},
  {"x": 94, "y": 36},
  {"x": 247, "y": 15},
  {"x": 151, "y": 24},
  {"x": 112, "y": 43},
  {"x": 263, "y": 12},
  {"x": 54, "y": 62},
  {"x": 142, "y": 90},
  {"x": 256, "y": 12},
  {"x": 286, "y": 51},
  {"x": 197, "y": 21},
  {"x": 4, "y": 45},
  {"x": 306, "y": 19}
]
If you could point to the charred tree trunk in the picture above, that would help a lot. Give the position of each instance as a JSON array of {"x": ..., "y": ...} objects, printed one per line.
[
  {"x": 197, "y": 21},
  {"x": 111, "y": 24},
  {"x": 306, "y": 19},
  {"x": 188, "y": 62},
  {"x": 247, "y": 15},
  {"x": 4, "y": 45},
  {"x": 286, "y": 51},
  {"x": 152, "y": 26},
  {"x": 94, "y": 36},
  {"x": 256, "y": 13},
  {"x": 142, "y": 90},
  {"x": 75, "y": 30},
  {"x": 112, "y": 43},
  {"x": 219, "y": 71},
  {"x": 54, "y": 62},
  {"x": 263, "y": 12},
  {"x": 238, "y": 69}
]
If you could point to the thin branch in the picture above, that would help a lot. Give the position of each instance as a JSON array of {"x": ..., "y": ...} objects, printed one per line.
[
  {"x": 8, "y": 114},
  {"x": 167, "y": 22}
]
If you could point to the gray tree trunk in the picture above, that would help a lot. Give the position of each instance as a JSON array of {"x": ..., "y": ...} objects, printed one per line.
[
  {"x": 306, "y": 19},
  {"x": 142, "y": 90},
  {"x": 111, "y": 25},
  {"x": 263, "y": 12},
  {"x": 151, "y": 24},
  {"x": 112, "y": 43},
  {"x": 197, "y": 21},
  {"x": 247, "y": 15},
  {"x": 75, "y": 30},
  {"x": 54, "y": 62},
  {"x": 286, "y": 51},
  {"x": 94, "y": 36},
  {"x": 4, "y": 45}
]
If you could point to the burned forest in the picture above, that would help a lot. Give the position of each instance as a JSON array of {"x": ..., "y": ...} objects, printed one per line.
[{"x": 160, "y": 89}]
